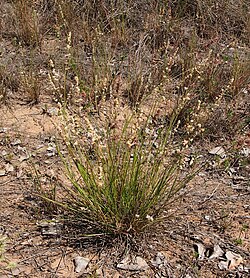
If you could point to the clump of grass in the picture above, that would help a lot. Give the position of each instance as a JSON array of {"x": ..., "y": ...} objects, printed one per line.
[
  {"x": 224, "y": 17},
  {"x": 31, "y": 85},
  {"x": 119, "y": 188},
  {"x": 26, "y": 21},
  {"x": 215, "y": 88}
]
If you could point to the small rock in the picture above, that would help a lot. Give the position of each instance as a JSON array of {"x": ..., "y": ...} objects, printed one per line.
[
  {"x": 231, "y": 171},
  {"x": 159, "y": 260},
  {"x": 49, "y": 231},
  {"x": 80, "y": 263},
  {"x": 2, "y": 172},
  {"x": 3, "y": 129},
  {"x": 4, "y": 153},
  {"x": 138, "y": 264},
  {"x": 99, "y": 272},
  {"x": 19, "y": 174},
  {"x": 201, "y": 250},
  {"x": 245, "y": 151},
  {"x": 22, "y": 149},
  {"x": 53, "y": 111},
  {"x": 9, "y": 167},
  {"x": 218, "y": 252},
  {"x": 207, "y": 218},
  {"x": 16, "y": 142},
  {"x": 223, "y": 265},
  {"x": 51, "y": 150},
  {"x": 15, "y": 271},
  {"x": 234, "y": 260},
  {"x": 218, "y": 151},
  {"x": 23, "y": 157}
]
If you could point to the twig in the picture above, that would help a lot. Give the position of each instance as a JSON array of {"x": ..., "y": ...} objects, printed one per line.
[
  {"x": 210, "y": 196},
  {"x": 63, "y": 255}
]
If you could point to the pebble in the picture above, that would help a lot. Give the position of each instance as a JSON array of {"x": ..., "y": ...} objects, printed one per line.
[
  {"x": 138, "y": 264},
  {"x": 218, "y": 151},
  {"x": 2, "y": 173},
  {"x": 80, "y": 263}
]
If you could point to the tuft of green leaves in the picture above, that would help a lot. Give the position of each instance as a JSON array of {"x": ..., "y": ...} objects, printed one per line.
[{"x": 121, "y": 189}]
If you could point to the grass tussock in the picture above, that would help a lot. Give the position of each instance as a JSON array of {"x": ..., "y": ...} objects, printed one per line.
[
  {"x": 26, "y": 23},
  {"x": 117, "y": 187}
]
